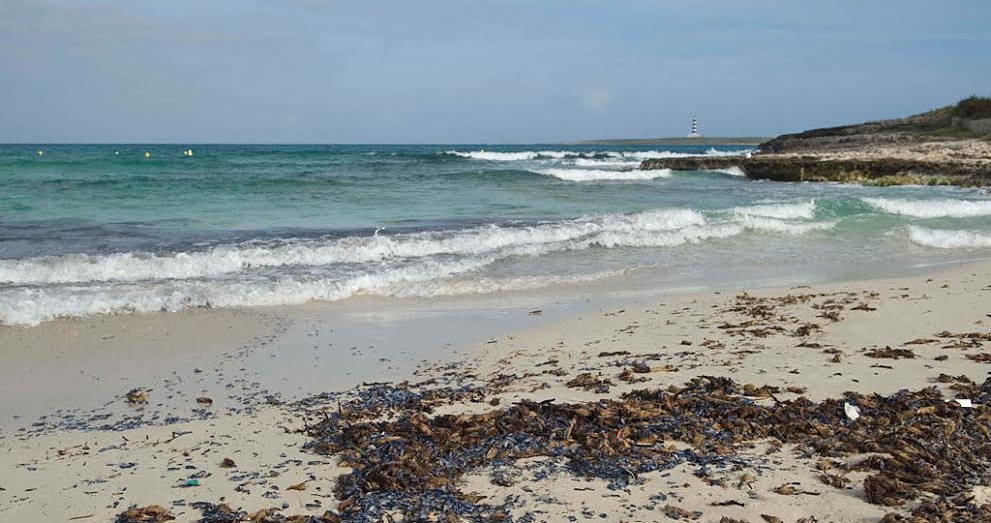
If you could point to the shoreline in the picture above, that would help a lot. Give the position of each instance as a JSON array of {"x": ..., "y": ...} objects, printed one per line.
[{"x": 254, "y": 432}]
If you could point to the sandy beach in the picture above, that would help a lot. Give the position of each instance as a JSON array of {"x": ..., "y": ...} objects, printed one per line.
[{"x": 210, "y": 429}]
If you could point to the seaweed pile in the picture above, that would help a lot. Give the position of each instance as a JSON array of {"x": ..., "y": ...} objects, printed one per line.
[{"x": 407, "y": 462}]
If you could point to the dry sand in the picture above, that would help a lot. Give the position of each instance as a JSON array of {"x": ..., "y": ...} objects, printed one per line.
[{"x": 54, "y": 473}]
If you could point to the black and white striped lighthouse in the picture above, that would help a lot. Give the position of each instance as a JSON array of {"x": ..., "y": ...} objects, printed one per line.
[{"x": 695, "y": 128}]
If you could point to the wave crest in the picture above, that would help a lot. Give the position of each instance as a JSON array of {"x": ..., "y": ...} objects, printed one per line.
[
  {"x": 935, "y": 208},
  {"x": 592, "y": 175},
  {"x": 782, "y": 211},
  {"x": 948, "y": 239}
]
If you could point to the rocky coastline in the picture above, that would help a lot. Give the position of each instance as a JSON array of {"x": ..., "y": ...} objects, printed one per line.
[
  {"x": 947, "y": 146},
  {"x": 817, "y": 168}
]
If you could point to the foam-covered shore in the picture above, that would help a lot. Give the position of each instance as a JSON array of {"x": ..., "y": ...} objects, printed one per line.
[
  {"x": 814, "y": 342},
  {"x": 420, "y": 264}
]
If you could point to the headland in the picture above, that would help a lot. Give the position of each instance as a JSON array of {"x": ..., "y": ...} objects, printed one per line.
[{"x": 946, "y": 146}]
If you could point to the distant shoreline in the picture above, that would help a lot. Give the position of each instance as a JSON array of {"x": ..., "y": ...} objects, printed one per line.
[{"x": 730, "y": 140}]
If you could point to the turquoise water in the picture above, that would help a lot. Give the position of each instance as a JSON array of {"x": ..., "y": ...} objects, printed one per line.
[{"x": 91, "y": 229}]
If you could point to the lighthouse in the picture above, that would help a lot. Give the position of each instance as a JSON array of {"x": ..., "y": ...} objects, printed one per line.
[{"x": 695, "y": 128}]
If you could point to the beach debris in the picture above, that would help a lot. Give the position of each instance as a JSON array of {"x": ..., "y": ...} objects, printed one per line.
[
  {"x": 136, "y": 396},
  {"x": 404, "y": 460},
  {"x": 852, "y": 411},
  {"x": 889, "y": 353},
  {"x": 747, "y": 479},
  {"x": 640, "y": 367},
  {"x": 628, "y": 376},
  {"x": 963, "y": 402},
  {"x": 675, "y": 512},
  {"x": 191, "y": 482},
  {"x": 883, "y": 490},
  {"x": 590, "y": 382},
  {"x": 834, "y": 480},
  {"x": 789, "y": 490},
  {"x": 149, "y": 514}
]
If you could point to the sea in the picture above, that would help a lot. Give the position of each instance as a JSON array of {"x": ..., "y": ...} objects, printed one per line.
[{"x": 115, "y": 229}]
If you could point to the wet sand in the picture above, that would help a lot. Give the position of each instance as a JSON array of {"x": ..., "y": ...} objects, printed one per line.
[{"x": 819, "y": 347}]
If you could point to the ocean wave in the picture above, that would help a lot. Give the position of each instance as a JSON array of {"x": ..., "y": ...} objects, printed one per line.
[
  {"x": 936, "y": 208},
  {"x": 33, "y": 305},
  {"x": 233, "y": 258},
  {"x": 651, "y": 155},
  {"x": 732, "y": 171},
  {"x": 586, "y": 162},
  {"x": 591, "y": 175},
  {"x": 784, "y": 211},
  {"x": 498, "y": 156},
  {"x": 293, "y": 271},
  {"x": 763, "y": 223},
  {"x": 948, "y": 239},
  {"x": 516, "y": 156}
]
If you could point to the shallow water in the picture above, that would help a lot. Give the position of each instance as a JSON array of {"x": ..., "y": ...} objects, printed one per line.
[{"x": 91, "y": 229}]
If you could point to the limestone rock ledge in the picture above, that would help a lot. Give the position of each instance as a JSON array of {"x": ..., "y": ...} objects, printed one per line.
[{"x": 869, "y": 171}]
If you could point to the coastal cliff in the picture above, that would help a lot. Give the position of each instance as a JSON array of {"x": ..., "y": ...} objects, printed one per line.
[{"x": 947, "y": 146}]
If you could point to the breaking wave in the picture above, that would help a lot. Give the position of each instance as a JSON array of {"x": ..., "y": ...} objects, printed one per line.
[
  {"x": 294, "y": 271},
  {"x": 783, "y": 211},
  {"x": 516, "y": 156},
  {"x": 585, "y": 162},
  {"x": 590, "y": 175},
  {"x": 948, "y": 239},
  {"x": 942, "y": 208}
]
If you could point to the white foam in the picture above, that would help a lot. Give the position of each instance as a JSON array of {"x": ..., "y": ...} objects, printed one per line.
[
  {"x": 516, "y": 156},
  {"x": 290, "y": 272},
  {"x": 784, "y": 211},
  {"x": 33, "y": 305},
  {"x": 762, "y": 223},
  {"x": 497, "y": 156},
  {"x": 948, "y": 239},
  {"x": 585, "y": 162},
  {"x": 732, "y": 171},
  {"x": 935, "y": 208},
  {"x": 591, "y": 175},
  {"x": 650, "y": 155}
]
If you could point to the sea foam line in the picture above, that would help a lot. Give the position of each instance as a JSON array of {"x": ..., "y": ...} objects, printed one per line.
[
  {"x": 948, "y": 239},
  {"x": 934, "y": 208},
  {"x": 592, "y": 175},
  {"x": 636, "y": 229},
  {"x": 516, "y": 156}
]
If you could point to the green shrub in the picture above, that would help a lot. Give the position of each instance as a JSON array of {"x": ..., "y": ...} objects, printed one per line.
[{"x": 974, "y": 107}]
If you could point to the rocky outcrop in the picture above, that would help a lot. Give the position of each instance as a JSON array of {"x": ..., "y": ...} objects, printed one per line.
[
  {"x": 881, "y": 171},
  {"x": 931, "y": 149}
]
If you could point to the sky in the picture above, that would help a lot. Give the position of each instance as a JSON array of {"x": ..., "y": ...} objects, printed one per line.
[{"x": 475, "y": 71}]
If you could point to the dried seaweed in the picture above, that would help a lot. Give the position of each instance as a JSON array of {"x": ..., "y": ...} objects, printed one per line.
[
  {"x": 412, "y": 463},
  {"x": 889, "y": 353}
]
